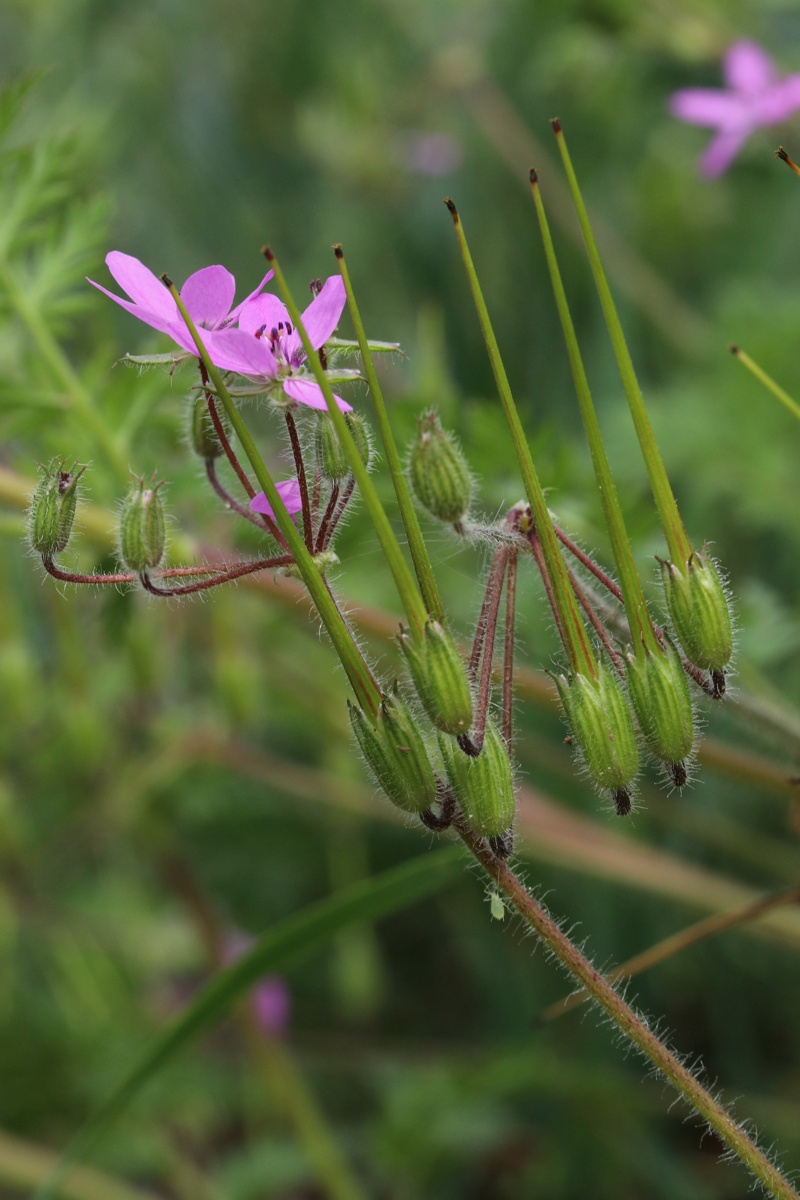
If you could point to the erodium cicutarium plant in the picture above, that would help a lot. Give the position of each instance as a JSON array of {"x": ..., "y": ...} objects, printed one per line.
[{"x": 438, "y": 743}]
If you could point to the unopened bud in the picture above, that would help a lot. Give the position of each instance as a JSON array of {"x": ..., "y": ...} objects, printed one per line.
[
  {"x": 483, "y": 786},
  {"x": 361, "y": 434},
  {"x": 440, "y": 475},
  {"x": 142, "y": 527},
  {"x": 660, "y": 697},
  {"x": 602, "y": 729},
  {"x": 203, "y": 434},
  {"x": 699, "y": 610},
  {"x": 396, "y": 754},
  {"x": 52, "y": 510},
  {"x": 440, "y": 678},
  {"x": 329, "y": 454}
]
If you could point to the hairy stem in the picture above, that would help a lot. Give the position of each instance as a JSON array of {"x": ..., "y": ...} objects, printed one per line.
[{"x": 629, "y": 1023}]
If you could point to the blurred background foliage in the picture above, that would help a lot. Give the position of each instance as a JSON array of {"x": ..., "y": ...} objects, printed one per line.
[{"x": 175, "y": 774}]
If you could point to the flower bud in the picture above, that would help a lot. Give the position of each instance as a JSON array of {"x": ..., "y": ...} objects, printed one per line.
[
  {"x": 440, "y": 678},
  {"x": 659, "y": 693},
  {"x": 204, "y": 439},
  {"x": 329, "y": 454},
  {"x": 483, "y": 786},
  {"x": 396, "y": 754},
  {"x": 602, "y": 729},
  {"x": 52, "y": 510},
  {"x": 361, "y": 435},
  {"x": 142, "y": 527},
  {"x": 439, "y": 472},
  {"x": 699, "y": 610}
]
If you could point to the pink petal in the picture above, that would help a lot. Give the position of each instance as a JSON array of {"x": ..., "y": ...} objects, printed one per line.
[
  {"x": 160, "y": 321},
  {"x": 721, "y": 151},
  {"x": 705, "y": 106},
  {"x": 140, "y": 283},
  {"x": 748, "y": 68},
  {"x": 779, "y": 103},
  {"x": 208, "y": 296},
  {"x": 323, "y": 313},
  {"x": 265, "y": 310},
  {"x": 235, "y": 350},
  {"x": 289, "y": 492},
  {"x": 234, "y": 313},
  {"x": 306, "y": 391}
]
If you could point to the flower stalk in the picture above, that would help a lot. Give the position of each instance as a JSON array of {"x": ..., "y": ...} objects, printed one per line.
[{"x": 361, "y": 679}]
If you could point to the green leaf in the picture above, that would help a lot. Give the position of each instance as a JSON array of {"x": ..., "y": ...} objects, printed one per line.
[{"x": 276, "y": 951}]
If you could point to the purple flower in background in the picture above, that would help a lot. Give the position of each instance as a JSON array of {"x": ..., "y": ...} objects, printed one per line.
[
  {"x": 266, "y": 346},
  {"x": 755, "y": 96},
  {"x": 208, "y": 296},
  {"x": 270, "y": 996},
  {"x": 289, "y": 492}
]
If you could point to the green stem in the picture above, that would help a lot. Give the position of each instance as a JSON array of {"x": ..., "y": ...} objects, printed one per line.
[
  {"x": 416, "y": 543},
  {"x": 629, "y": 1023},
  {"x": 644, "y": 638},
  {"x": 768, "y": 382},
  {"x": 364, "y": 686},
  {"x": 680, "y": 548},
  {"x": 61, "y": 369},
  {"x": 404, "y": 580},
  {"x": 576, "y": 641}
]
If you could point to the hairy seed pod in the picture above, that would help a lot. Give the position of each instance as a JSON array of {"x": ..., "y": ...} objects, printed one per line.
[
  {"x": 142, "y": 527},
  {"x": 484, "y": 786},
  {"x": 52, "y": 509},
  {"x": 660, "y": 697},
  {"x": 361, "y": 434},
  {"x": 440, "y": 678},
  {"x": 602, "y": 728},
  {"x": 699, "y": 610},
  {"x": 329, "y": 456},
  {"x": 439, "y": 473},
  {"x": 396, "y": 754},
  {"x": 203, "y": 435}
]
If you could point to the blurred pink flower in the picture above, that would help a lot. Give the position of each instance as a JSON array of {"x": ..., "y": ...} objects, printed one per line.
[
  {"x": 755, "y": 96},
  {"x": 434, "y": 154},
  {"x": 270, "y": 997},
  {"x": 289, "y": 492},
  {"x": 208, "y": 295}
]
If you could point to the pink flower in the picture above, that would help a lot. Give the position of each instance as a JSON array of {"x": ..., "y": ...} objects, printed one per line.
[
  {"x": 755, "y": 97},
  {"x": 289, "y": 492},
  {"x": 208, "y": 296},
  {"x": 266, "y": 346}
]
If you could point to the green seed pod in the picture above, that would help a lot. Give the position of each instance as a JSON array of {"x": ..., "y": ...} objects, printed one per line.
[
  {"x": 52, "y": 510},
  {"x": 484, "y": 786},
  {"x": 329, "y": 455},
  {"x": 203, "y": 435},
  {"x": 440, "y": 679},
  {"x": 396, "y": 754},
  {"x": 439, "y": 472},
  {"x": 361, "y": 434},
  {"x": 699, "y": 610},
  {"x": 659, "y": 693},
  {"x": 602, "y": 728},
  {"x": 142, "y": 528}
]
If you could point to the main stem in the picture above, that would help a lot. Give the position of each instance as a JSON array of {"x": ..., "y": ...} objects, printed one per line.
[{"x": 626, "y": 1020}]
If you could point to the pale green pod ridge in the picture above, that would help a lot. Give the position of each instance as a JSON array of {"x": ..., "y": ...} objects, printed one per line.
[
  {"x": 439, "y": 473},
  {"x": 52, "y": 509},
  {"x": 659, "y": 693},
  {"x": 142, "y": 528},
  {"x": 396, "y": 754},
  {"x": 602, "y": 728},
  {"x": 440, "y": 678},
  {"x": 483, "y": 786},
  {"x": 699, "y": 611},
  {"x": 361, "y": 434},
  {"x": 202, "y": 433},
  {"x": 329, "y": 456}
]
